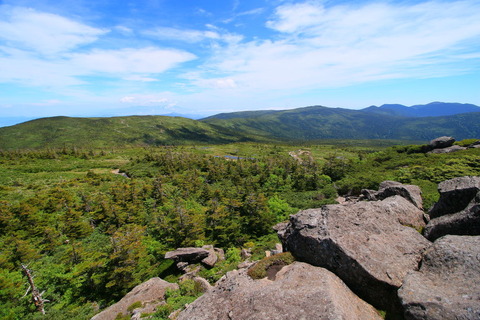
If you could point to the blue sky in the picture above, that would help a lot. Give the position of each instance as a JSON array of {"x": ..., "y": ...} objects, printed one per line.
[{"x": 110, "y": 58}]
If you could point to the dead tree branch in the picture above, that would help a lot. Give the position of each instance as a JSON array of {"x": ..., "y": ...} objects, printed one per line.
[{"x": 36, "y": 295}]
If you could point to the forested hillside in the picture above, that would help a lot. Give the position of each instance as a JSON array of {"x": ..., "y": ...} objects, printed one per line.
[
  {"x": 58, "y": 132},
  {"x": 90, "y": 234},
  {"x": 319, "y": 122},
  {"x": 296, "y": 125}
]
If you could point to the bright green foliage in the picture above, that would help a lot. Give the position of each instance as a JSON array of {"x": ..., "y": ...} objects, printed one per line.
[
  {"x": 259, "y": 270},
  {"x": 90, "y": 235},
  {"x": 188, "y": 291}
]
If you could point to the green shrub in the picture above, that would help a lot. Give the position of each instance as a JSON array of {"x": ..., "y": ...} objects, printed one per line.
[
  {"x": 259, "y": 271},
  {"x": 465, "y": 142},
  {"x": 134, "y": 306}
]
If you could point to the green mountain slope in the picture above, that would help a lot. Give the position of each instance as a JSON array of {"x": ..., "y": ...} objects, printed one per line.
[
  {"x": 303, "y": 124},
  {"x": 117, "y": 131},
  {"x": 319, "y": 122}
]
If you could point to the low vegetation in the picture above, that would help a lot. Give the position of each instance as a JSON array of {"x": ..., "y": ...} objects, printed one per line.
[
  {"x": 261, "y": 269},
  {"x": 90, "y": 235}
]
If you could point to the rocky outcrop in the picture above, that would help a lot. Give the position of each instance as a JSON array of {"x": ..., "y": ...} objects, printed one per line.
[
  {"x": 185, "y": 257},
  {"x": 441, "y": 142},
  {"x": 392, "y": 188},
  {"x": 189, "y": 255},
  {"x": 363, "y": 243},
  {"x": 299, "y": 291},
  {"x": 447, "y": 284},
  {"x": 448, "y": 149},
  {"x": 458, "y": 209},
  {"x": 211, "y": 259},
  {"x": 150, "y": 294},
  {"x": 455, "y": 195}
]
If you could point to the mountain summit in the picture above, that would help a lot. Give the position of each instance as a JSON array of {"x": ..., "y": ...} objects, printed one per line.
[{"x": 434, "y": 109}]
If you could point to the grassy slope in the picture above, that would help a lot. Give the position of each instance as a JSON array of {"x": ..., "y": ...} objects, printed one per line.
[
  {"x": 327, "y": 123},
  {"x": 303, "y": 124},
  {"x": 117, "y": 131}
]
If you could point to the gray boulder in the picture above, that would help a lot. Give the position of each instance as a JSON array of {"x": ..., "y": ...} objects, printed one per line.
[
  {"x": 441, "y": 142},
  {"x": 447, "y": 284},
  {"x": 448, "y": 149},
  {"x": 363, "y": 243},
  {"x": 150, "y": 294},
  {"x": 465, "y": 222},
  {"x": 211, "y": 259},
  {"x": 455, "y": 195},
  {"x": 299, "y": 291},
  {"x": 392, "y": 188},
  {"x": 189, "y": 255}
]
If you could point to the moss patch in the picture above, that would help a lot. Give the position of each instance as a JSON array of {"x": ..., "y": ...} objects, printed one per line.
[{"x": 270, "y": 266}]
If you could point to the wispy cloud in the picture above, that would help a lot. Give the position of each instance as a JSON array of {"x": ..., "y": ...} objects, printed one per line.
[
  {"x": 44, "y": 33},
  {"x": 167, "y": 33},
  {"x": 319, "y": 46},
  {"x": 44, "y": 49}
]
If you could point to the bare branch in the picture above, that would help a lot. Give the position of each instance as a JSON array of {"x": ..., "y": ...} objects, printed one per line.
[{"x": 36, "y": 295}]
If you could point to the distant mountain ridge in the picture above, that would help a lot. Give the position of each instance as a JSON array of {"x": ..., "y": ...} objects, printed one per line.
[
  {"x": 319, "y": 122},
  {"x": 295, "y": 125},
  {"x": 433, "y": 109}
]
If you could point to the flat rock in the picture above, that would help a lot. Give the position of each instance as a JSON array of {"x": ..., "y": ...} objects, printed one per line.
[
  {"x": 299, "y": 291},
  {"x": 441, "y": 142},
  {"x": 448, "y": 149},
  {"x": 150, "y": 293},
  {"x": 447, "y": 284},
  {"x": 363, "y": 243},
  {"x": 455, "y": 195},
  {"x": 189, "y": 255}
]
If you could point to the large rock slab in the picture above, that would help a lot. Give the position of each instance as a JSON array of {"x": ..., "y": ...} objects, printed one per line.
[
  {"x": 441, "y": 142},
  {"x": 447, "y": 284},
  {"x": 465, "y": 222},
  {"x": 211, "y": 259},
  {"x": 392, "y": 188},
  {"x": 458, "y": 209},
  {"x": 455, "y": 195},
  {"x": 363, "y": 243},
  {"x": 299, "y": 291},
  {"x": 150, "y": 293},
  {"x": 189, "y": 255},
  {"x": 448, "y": 149}
]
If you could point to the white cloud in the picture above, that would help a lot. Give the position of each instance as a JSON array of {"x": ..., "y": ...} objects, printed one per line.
[
  {"x": 127, "y": 99},
  {"x": 140, "y": 78},
  {"x": 148, "y": 60},
  {"x": 187, "y": 35},
  {"x": 164, "y": 100},
  {"x": 44, "y": 33},
  {"x": 217, "y": 83},
  {"x": 320, "y": 46}
]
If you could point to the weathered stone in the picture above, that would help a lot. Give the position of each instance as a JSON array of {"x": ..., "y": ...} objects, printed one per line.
[
  {"x": 448, "y": 149},
  {"x": 150, "y": 293},
  {"x": 465, "y": 222},
  {"x": 212, "y": 258},
  {"x": 245, "y": 253},
  {"x": 442, "y": 142},
  {"x": 189, "y": 255},
  {"x": 203, "y": 284},
  {"x": 391, "y": 188},
  {"x": 368, "y": 194},
  {"x": 364, "y": 244},
  {"x": 220, "y": 253},
  {"x": 455, "y": 195},
  {"x": 245, "y": 264},
  {"x": 299, "y": 291},
  {"x": 447, "y": 284}
]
